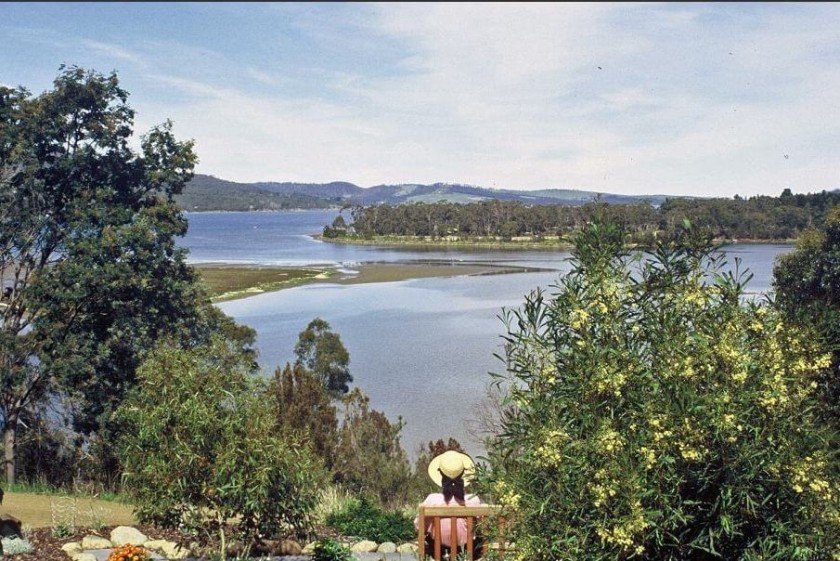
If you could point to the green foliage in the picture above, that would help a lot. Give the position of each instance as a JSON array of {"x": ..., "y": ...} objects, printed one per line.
[
  {"x": 807, "y": 285},
  {"x": 62, "y": 530},
  {"x": 331, "y": 550},
  {"x": 91, "y": 274},
  {"x": 303, "y": 407},
  {"x": 757, "y": 218},
  {"x": 369, "y": 459},
  {"x": 362, "y": 519},
  {"x": 653, "y": 414},
  {"x": 321, "y": 351},
  {"x": 16, "y": 546},
  {"x": 200, "y": 442}
]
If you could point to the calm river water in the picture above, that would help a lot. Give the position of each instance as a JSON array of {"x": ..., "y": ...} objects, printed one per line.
[{"x": 421, "y": 349}]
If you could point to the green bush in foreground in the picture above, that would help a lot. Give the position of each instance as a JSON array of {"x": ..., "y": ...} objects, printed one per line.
[
  {"x": 655, "y": 415},
  {"x": 200, "y": 448},
  {"x": 361, "y": 519},
  {"x": 331, "y": 550}
]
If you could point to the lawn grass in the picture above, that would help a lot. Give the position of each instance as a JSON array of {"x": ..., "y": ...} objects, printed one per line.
[
  {"x": 37, "y": 510},
  {"x": 231, "y": 282}
]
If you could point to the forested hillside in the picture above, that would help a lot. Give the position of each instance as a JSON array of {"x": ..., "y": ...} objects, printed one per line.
[
  {"x": 206, "y": 192},
  {"x": 756, "y": 218}
]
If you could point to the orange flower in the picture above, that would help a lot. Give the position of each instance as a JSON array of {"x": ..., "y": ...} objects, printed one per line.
[{"x": 129, "y": 552}]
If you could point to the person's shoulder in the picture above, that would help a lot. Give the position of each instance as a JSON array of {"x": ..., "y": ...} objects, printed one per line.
[
  {"x": 433, "y": 499},
  {"x": 473, "y": 500}
]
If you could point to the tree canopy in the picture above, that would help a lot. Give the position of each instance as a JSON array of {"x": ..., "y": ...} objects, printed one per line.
[
  {"x": 90, "y": 273},
  {"x": 320, "y": 350}
]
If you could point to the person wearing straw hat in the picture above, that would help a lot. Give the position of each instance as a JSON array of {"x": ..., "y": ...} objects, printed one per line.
[{"x": 452, "y": 471}]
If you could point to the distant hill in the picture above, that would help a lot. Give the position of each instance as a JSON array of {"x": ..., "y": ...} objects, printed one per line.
[{"x": 206, "y": 192}]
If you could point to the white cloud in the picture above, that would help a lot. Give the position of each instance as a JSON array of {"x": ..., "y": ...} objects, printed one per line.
[{"x": 621, "y": 98}]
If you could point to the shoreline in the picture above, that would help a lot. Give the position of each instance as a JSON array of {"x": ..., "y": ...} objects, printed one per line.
[
  {"x": 553, "y": 244},
  {"x": 232, "y": 281}
]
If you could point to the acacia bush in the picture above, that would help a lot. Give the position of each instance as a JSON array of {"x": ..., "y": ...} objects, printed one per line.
[
  {"x": 655, "y": 413},
  {"x": 807, "y": 285},
  {"x": 200, "y": 448}
]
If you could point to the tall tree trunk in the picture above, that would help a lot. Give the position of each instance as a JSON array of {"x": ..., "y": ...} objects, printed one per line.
[{"x": 9, "y": 437}]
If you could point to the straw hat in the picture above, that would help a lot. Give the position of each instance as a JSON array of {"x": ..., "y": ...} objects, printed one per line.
[{"x": 451, "y": 464}]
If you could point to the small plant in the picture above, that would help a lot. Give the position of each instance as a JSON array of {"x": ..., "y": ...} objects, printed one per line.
[
  {"x": 16, "y": 546},
  {"x": 362, "y": 519},
  {"x": 62, "y": 530},
  {"x": 129, "y": 552},
  {"x": 332, "y": 499},
  {"x": 331, "y": 550},
  {"x": 63, "y": 511}
]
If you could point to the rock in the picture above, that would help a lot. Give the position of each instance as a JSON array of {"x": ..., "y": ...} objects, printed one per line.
[
  {"x": 364, "y": 546},
  {"x": 408, "y": 548},
  {"x": 289, "y": 547},
  {"x": 174, "y": 551},
  {"x": 84, "y": 557},
  {"x": 10, "y": 527},
  {"x": 72, "y": 548},
  {"x": 154, "y": 544},
  {"x": 170, "y": 550},
  {"x": 122, "y": 535},
  {"x": 387, "y": 547},
  {"x": 96, "y": 542}
]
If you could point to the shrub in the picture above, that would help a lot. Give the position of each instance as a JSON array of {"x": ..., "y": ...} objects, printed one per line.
[
  {"x": 304, "y": 407},
  {"x": 15, "y": 546},
  {"x": 370, "y": 460},
  {"x": 362, "y": 519},
  {"x": 807, "y": 284},
  {"x": 200, "y": 444},
  {"x": 331, "y": 550},
  {"x": 654, "y": 414}
]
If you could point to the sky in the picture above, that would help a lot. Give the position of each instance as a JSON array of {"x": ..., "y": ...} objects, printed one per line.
[{"x": 682, "y": 99}]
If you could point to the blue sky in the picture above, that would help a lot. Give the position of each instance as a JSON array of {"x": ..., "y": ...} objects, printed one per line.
[{"x": 699, "y": 99}]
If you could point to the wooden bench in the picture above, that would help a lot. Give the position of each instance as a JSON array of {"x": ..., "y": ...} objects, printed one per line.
[{"x": 470, "y": 513}]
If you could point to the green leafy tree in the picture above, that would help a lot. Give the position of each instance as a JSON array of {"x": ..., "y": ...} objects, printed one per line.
[
  {"x": 89, "y": 271},
  {"x": 200, "y": 448},
  {"x": 304, "y": 408},
  {"x": 320, "y": 350},
  {"x": 369, "y": 459},
  {"x": 807, "y": 286},
  {"x": 654, "y": 414}
]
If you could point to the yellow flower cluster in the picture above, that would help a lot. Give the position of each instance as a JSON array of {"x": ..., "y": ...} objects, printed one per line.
[
  {"x": 505, "y": 495},
  {"x": 608, "y": 440},
  {"x": 548, "y": 453},
  {"x": 625, "y": 534},
  {"x": 578, "y": 319},
  {"x": 689, "y": 452},
  {"x": 659, "y": 433},
  {"x": 809, "y": 475},
  {"x": 609, "y": 380},
  {"x": 603, "y": 489},
  {"x": 649, "y": 456}
]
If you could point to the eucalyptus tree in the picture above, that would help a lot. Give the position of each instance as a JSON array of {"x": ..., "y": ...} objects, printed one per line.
[{"x": 90, "y": 273}]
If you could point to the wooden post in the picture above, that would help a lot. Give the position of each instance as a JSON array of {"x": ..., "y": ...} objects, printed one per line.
[
  {"x": 421, "y": 533},
  {"x": 453, "y": 538},
  {"x": 438, "y": 535},
  {"x": 470, "y": 538}
]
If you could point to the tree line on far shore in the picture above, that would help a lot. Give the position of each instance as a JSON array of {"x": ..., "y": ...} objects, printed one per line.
[{"x": 755, "y": 218}]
